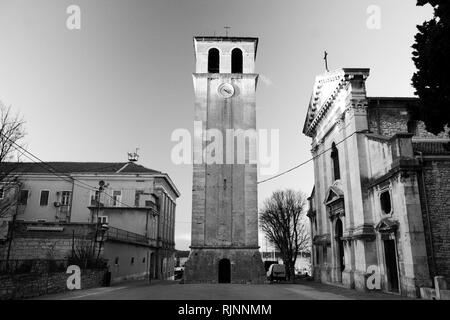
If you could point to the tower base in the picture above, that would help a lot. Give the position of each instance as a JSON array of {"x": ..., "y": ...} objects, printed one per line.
[{"x": 224, "y": 265}]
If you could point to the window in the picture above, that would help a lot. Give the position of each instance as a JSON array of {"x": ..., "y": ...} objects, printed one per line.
[
  {"x": 65, "y": 198},
  {"x": 385, "y": 200},
  {"x": 335, "y": 160},
  {"x": 132, "y": 260},
  {"x": 116, "y": 261},
  {"x": 143, "y": 260},
  {"x": 102, "y": 219},
  {"x": 236, "y": 61},
  {"x": 213, "y": 60},
  {"x": 412, "y": 127},
  {"x": 23, "y": 197},
  {"x": 2, "y": 193},
  {"x": 116, "y": 198},
  {"x": 44, "y": 197},
  {"x": 137, "y": 197},
  {"x": 94, "y": 198}
]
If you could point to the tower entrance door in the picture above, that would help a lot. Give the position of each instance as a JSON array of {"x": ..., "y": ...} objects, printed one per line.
[{"x": 224, "y": 271}]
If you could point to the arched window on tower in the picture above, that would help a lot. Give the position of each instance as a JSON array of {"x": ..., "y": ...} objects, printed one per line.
[
  {"x": 213, "y": 60},
  {"x": 335, "y": 160},
  {"x": 236, "y": 61}
]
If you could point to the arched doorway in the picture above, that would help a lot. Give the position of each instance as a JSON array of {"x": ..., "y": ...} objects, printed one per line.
[
  {"x": 340, "y": 245},
  {"x": 224, "y": 271}
]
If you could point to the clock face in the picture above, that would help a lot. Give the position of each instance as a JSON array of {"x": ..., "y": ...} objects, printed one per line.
[{"x": 226, "y": 90}]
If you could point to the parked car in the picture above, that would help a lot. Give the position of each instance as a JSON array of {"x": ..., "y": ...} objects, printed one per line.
[
  {"x": 179, "y": 271},
  {"x": 276, "y": 272}
]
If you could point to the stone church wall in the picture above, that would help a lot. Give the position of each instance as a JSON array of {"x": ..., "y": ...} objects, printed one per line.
[{"x": 436, "y": 176}]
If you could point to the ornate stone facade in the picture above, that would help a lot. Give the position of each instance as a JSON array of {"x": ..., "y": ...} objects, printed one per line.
[{"x": 370, "y": 214}]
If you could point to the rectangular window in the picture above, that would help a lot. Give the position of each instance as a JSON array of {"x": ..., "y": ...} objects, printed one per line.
[
  {"x": 137, "y": 197},
  {"x": 116, "y": 198},
  {"x": 102, "y": 219},
  {"x": 44, "y": 197},
  {"x": 2, "y": 193},
  {"x": 65, "y": 198},
  {"x": 23, "y": 197},
  {"x": 94, "y": 198}
]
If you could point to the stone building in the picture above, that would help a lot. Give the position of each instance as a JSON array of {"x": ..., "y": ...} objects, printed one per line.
[
  {"x": 55, "y": 199},
  {"x": 382, "y": 182},
  {"x": 224, "y": 245}
]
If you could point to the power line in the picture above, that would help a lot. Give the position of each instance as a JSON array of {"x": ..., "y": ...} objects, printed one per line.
[
  {"x": 307, "y": 161},
  {"x": 54, "y": 172}
]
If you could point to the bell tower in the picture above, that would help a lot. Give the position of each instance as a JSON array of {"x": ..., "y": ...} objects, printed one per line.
[{"x": 224, "y": 245}]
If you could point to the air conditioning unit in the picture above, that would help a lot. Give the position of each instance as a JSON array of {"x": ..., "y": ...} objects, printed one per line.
[{"x": 57, "y": 204}]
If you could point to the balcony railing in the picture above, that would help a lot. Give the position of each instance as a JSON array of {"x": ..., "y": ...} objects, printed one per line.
[{"x": 125, "y": 236}]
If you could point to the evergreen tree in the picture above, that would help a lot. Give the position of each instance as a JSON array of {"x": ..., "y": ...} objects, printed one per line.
[{"x": 432, "y": 59}]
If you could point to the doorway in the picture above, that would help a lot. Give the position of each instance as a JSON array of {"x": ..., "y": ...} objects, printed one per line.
[
  {"x": 391, "y": 265},
  {"x": 224, "y": 271},
  {"x": 340, "y": 245}
]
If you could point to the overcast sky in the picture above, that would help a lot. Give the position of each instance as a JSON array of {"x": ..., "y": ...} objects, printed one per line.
[{"x": 124, "y": 80}]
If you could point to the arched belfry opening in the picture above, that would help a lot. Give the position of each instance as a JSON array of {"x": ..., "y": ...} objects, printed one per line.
[
  {"x": 236, "y": 61},
  {"x": 340, "y": 244},
  {"x": 213, "y": 60},
  {"x": 224, "y": 271}
]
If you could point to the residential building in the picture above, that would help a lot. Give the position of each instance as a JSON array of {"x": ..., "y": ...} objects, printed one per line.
[
  {"x": 135, "y": 205},
  {"x": 380, "y": 204}
]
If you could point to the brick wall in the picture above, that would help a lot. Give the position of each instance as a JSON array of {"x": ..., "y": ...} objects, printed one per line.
[
  {"x": 390, "y": 121},
  {"x": 23, "y": 286},
  {"x": 436, "y": 176}
]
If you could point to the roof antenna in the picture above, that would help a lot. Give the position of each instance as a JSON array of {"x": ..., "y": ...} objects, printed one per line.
[
  {"x": 226, "y": 30},
  {"x": 133, "y": 156},
  {"x": 326, "y": 61}
]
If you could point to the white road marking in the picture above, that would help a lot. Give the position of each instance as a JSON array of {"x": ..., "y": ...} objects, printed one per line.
[{"x": 93, "y": 293}]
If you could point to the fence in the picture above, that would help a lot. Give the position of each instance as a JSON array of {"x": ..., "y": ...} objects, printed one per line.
[{"x": 126, "y": 236}]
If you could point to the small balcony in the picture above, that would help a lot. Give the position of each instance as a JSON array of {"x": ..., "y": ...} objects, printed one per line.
[{"x": 115, "y": 234}]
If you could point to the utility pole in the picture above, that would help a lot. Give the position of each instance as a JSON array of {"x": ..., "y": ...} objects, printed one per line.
[{"x": 13, "y": 222}]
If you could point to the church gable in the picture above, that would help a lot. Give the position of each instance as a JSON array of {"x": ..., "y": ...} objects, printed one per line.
[
  {"x": 325, "y": 91},
  {"x": 326, "y": 88}
]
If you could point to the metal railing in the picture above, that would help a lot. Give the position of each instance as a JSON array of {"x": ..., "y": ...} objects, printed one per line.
[{"x": 126, "y": 236}]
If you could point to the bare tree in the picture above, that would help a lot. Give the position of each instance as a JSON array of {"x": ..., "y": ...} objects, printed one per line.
[
  {"x": 282, "y": 219},
  {"x": 12, "y": 132}
]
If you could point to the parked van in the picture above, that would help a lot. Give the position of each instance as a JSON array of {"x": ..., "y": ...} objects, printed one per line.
[{"x": 276, "y": 272}]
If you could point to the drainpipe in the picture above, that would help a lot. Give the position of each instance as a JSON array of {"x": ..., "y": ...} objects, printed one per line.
[
  {"x": 71, "y": 200},
  {"x": 430, "y": 234}
]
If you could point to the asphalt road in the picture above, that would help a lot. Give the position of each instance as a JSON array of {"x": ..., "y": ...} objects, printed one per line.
[{"x": 173, "y": 290}]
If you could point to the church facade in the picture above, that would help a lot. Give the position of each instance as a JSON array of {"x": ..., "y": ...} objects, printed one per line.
[
  {"x": 380, "y": 205},
  {"x": 224, "y": 242}
]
